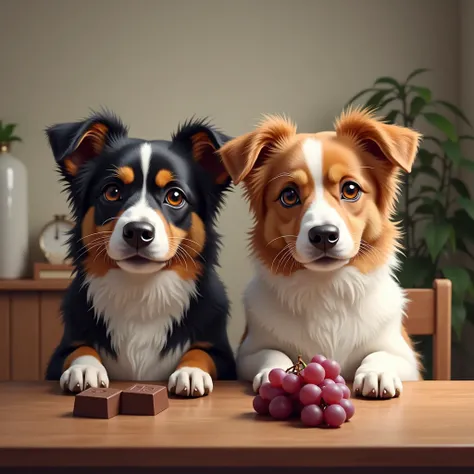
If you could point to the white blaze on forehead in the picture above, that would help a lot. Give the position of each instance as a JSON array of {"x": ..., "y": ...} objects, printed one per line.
[
  {"x": 145, "y": 157},
  {"x": 313, "y": 156},
  {"x": 319, "y": 212}
]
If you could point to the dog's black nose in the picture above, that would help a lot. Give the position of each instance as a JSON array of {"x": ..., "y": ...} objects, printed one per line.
[
  {"x": 138, "y": 234},
  {"x": 324, "y": 237}
]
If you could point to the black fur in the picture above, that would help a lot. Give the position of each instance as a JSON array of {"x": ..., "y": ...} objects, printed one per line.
[{"x": 206, "y": 320}]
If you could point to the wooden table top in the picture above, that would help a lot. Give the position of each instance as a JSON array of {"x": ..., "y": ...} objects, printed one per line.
[{"x": 431, "y": 424}]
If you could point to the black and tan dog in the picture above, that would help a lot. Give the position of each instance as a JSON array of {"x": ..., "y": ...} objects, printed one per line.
[{"x": 146, "y": 302}]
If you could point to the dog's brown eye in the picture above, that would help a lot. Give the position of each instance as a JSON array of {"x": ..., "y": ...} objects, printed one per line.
[
  {"x": 112, "y": 193},
  {"x": 289, "y": 197},
  {"x": 350, "y": 191},
  {"x": 175, "y": 198}
]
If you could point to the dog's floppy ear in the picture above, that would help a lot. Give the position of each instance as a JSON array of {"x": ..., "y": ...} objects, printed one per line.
[
  {"x": 243, "y": 154},
  {"x": 76, "y": 143},
  {"x": 204, "y": 141},
  {"x": 392, "y": 143}
]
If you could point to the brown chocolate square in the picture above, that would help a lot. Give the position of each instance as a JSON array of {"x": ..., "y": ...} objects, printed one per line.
[
  {"x": 142, "y": 399},
  {"x": 97, "y": 403}
]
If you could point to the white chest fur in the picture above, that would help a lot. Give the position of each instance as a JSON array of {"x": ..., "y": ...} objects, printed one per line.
[
  {"x": 139, "y": 312},
  {"x": 338, "y": 316}
]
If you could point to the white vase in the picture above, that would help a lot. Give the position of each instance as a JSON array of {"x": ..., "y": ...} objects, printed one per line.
[{"x": 13, "y": 216}]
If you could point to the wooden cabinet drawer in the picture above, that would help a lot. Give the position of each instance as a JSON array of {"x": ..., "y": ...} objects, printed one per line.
[{"x": 30, "y": 328}]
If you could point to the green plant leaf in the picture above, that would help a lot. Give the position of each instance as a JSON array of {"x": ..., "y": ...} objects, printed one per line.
[
  {"x": 375, "y": 99},
  {"x": 463, "y": 225},
  {"x": 416, "y": 72},
  {"x": 413, "y": 271},
  {"x": 14, "y": 138},
  {"x": 467, "y": 205},
  {"x": 387, "y": 80},
  {"x": 391, "y": 116},
  {"x": 460, "y": 187},
  {"x": 453, "y": 151},
  {"x": 425, "y": 208},
  {"x": 462, "y": 247},
  {"x": 9, "y": 129},
  {"x": 360, "y": 94},
  {"x": 442, "y": 124},
  {"x": 427, "y": 170},
  {"x": 468, "y": 164},
  {"x": 436, "y": 236},
  {"x": 458, "y": 317},
  {"x": 416, "y": 106},
  {"x": 423, "y": 92},
  {"x": 428, "y": 189},
  {"x": 460, "y": 278},
  {"x": 426, "y": 157},
  {"x": 454, "y": 109}
]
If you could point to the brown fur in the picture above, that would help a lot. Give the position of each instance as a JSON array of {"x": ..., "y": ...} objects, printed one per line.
[
  {"x": 185, "y": 248},
  {"x": 126, "y": 174},
  {"x": 79, "y": 352},
  {"x": 163, "y": 177},
  {"x": 95, "y": 239},
  {"x": 199, "y": 359},
  {"x": 203, "y": 150},
  {"x": 90, "y": 144}
]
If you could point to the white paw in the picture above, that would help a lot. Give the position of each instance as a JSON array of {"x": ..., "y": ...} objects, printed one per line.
[
  {"x": 190, "y": 382},
  {"x": 377, "y": 384},
  {"x": 260, "y": 379},
  {"x": 80, "y": 377}
]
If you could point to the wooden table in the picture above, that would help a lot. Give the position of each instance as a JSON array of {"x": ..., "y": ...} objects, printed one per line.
[{"x": 430, "y": 425}]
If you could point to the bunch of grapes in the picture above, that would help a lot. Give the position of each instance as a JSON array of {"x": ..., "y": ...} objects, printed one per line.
[{"x": 316, "y": 392}]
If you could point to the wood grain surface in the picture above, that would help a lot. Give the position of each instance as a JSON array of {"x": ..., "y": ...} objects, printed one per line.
[{"x": 431, "y": 424}]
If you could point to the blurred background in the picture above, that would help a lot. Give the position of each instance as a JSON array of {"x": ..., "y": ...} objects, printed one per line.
[{"x": 157, "y": 62}]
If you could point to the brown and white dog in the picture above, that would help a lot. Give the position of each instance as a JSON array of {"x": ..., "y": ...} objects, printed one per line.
[{"x": 325, "y": 249}]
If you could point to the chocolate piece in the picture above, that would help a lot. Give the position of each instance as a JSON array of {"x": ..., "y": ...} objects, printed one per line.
[
  {"x": 97, "y": 403},
  {"x": 143, "y": 399}
]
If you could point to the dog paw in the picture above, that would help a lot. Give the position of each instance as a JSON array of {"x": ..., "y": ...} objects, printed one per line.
[
  {"x": 377, "y": 385},
  {"x": 80, "y": 377},
  {"x": 190, "y": 382},
  {"x": 260, "y": 379}
]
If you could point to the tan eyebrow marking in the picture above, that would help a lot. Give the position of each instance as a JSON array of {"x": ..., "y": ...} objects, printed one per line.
[
  {"x": 163, "y": 177},
  {"x": 336, "y": 173},
  {"x": 298, "y": 175},
  {"x": 125, "y": 174}
]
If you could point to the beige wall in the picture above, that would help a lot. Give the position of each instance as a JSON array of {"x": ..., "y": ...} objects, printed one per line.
[{"x": 157, "y": 62}]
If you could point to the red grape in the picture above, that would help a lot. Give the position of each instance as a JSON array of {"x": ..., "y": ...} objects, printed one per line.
[
  {"x": 267, "y": 392},
  {"x": 332, "y": 394},
  {"x": 332, "y": 368},
  {"x": 348, "y": 408},
  {"x": 310, "y": 394},
  {"x": 340, "y": 379},
  {"x": 281, "y": 407},
  {"x": 326, "y": 382},
  {"x": 312, "y": 415},
  {"x": 291, "y": 383},
  {"x": 276, "y": 377},
  {"x": 318, "y": 359},
  {"x": 260, "y": 405},
  {"x": 313, "y": 373},
  {"x": 346, "y": 393},
  {"x": 334, "y": 415}
]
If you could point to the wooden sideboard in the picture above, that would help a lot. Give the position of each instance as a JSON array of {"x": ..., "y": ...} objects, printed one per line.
[{"x": 30, "y": 326}]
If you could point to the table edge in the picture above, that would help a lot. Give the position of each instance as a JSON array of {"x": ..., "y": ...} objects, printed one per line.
[{"x": 370, "y": 456}]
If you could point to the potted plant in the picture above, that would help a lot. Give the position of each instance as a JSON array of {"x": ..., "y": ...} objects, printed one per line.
[
  {"x": 7, "y": 136},
  {"x": 436, "y": 210},
  {"x": 14, "y": 236}
]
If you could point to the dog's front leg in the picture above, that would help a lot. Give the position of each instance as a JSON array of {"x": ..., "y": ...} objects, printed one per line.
[
  {"x": 382, "y": 371},
  {"x": 255, "y": 367}
]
